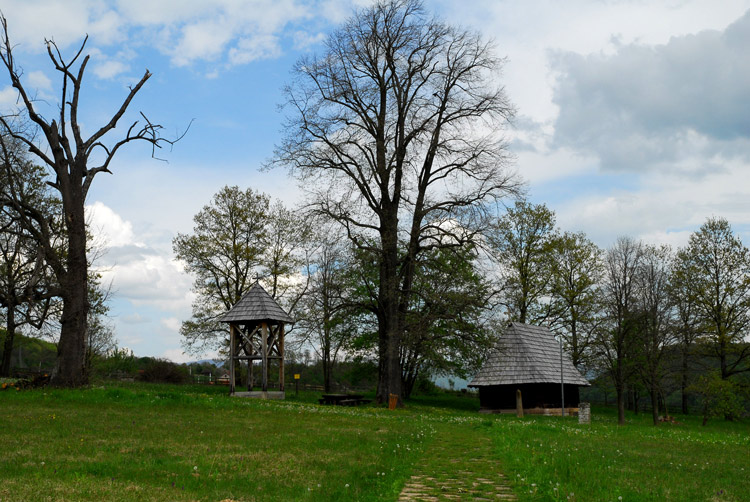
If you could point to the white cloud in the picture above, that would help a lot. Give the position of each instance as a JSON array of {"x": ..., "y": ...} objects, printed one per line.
[
  {"x": 527, "y": 32},
  {"x": 204, "y": 40},
  {"x": 29, "y": 23},
  {"x": 38, "y": 80},
  {"x": 135, "y": 318},
  {"x": 661, "y": 207},
  {"x": 645, "y": 105},
  {"x": 176, "y": 356},
  {"x": 109, "y": 227},
  {"x": 171, "y": 323},
  {"x": 139, "y": 273},
  {"x": 236, "y": 32},
  {"x": 8, "y": 97},
  {"x": 249, "y": 49},
  {"x": 154, "y": 280},
  {"x": 304, "y": 39},
  {"x": 110, "y": 69}
]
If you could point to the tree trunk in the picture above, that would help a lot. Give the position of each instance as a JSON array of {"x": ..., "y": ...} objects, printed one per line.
[
  {"x": 9, "y": 338},
  {"x": 723, "y": 356},
  {"x": 684, "y": 383},
  {"x": 327, "y": 366},
  {"x": 390, "y": 332},
  {"x": 620, "y": 404},
  {"x": 654, "y": 404},
  {"x": 70, "y": 370}
]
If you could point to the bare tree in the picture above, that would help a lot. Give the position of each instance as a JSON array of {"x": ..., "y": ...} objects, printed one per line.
[
  {"x": 394, "y": 131},
  {"x": 688, "y": 320},
  {"x": 655, "y": 318},
  {"x": 326, "y": 319},
  {"x": 616, "y": 337},
  {"x": 62, "y": 148}
]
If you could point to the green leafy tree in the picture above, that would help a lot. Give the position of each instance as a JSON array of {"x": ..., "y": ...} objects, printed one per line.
[
  {"x": 687, "y": 321},
  {"x": 714, "y": 270},
  {"x": 446, "y": 330},
  {"x": 385, "y": 132},
  {"x": 224, "y": 254},
  {"x": 237, "y": 239},
  {"x": 522, "y": 243},
  {"x": 576, "y": 271},
  {"x": 27, "y": 284}
]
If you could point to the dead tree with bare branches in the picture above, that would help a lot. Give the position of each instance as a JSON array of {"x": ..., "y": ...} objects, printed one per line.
[{"x": 60, "y": 146}]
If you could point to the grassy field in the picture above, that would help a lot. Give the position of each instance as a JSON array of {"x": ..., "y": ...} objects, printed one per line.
[{"x": 156, "y": 442}]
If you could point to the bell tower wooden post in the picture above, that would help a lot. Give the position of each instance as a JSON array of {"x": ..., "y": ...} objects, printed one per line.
[
  {"x": 281, "y": 355},
  {"x": 264, "y": 353},
  {"x": 232, "y": 348}
]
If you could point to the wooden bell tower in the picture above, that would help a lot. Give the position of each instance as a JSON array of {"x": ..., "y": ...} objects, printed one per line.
[{"x": 256, "y": 333}]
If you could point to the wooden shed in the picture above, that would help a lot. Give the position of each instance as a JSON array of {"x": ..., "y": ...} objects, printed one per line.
[
  {"x": 256, "y": 333},
  {"x": 527, "y": 358}
]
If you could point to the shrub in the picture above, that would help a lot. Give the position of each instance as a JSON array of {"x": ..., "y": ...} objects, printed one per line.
[
  {"x": 718, "y": 397},
  {"x": 164, "y": 371},
  {"x": 117, "y": 362}
]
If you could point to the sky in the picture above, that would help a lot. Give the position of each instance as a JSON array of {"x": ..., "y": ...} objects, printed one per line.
[{"x": 633, "y": 117}]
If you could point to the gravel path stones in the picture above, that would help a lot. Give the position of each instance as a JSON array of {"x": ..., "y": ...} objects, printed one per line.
[{"x": 457, "y": 466}]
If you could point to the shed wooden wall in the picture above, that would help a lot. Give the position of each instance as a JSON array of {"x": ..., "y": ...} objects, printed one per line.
[{"x": 535, "y": 395}]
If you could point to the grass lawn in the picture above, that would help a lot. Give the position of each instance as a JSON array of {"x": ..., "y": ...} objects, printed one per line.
[
  {"x": 158, "y": 442},
  {"x": 552, "y": 459}
]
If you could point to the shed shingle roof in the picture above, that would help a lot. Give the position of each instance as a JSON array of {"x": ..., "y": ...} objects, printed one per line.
[
  {"x": 526, "y": 354},
  {"x": 256, "y": 305}
]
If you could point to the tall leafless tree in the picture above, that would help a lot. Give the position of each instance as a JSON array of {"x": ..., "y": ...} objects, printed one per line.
[
  {"x": 394, "y": 131},
  {"x": 326, "y": 317},
  {"x": 60, "y": 145},
  {"x": 655, "y": 321},
  {"x": 615, "y": 341}
]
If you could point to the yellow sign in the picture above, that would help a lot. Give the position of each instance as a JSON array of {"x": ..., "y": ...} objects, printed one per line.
[{"x": 296, "y": 376}]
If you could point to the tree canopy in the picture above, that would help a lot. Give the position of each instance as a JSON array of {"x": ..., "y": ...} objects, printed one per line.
[{"x": 394, "y": 131}]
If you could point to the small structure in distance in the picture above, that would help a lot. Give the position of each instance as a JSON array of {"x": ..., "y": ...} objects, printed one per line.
[
  {"x": 527, "y": 358},
  {"x": 256, "y": 333}
]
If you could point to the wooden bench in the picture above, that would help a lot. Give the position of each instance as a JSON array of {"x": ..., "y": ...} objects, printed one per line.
[{"x": 343, "y": 399}]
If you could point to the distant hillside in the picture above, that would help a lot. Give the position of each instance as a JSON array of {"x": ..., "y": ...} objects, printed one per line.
[{"x": 30, "y": 353}]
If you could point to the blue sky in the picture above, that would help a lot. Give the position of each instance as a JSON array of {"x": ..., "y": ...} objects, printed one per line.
[{"x": 633, "y": 117}]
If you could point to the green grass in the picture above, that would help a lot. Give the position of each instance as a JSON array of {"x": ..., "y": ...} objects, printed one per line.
[
  {"x": 143, "y": 442},
  {"x": 547, "y": 458},
  {"x": 159, "y": 442}
]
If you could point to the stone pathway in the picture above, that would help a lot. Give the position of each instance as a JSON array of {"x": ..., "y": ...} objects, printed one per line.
[{"x": 462, "y": 468}]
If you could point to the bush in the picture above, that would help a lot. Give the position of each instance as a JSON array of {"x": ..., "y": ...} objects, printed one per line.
[
  {"x": 117, "y": 362},
  {"x": 163, "y": 371},
  {"x": 718, "y": 397}
]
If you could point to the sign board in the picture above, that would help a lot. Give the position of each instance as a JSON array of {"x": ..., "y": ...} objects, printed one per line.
[{"x": 296, "y": 376}]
